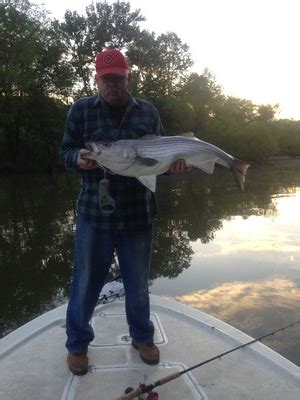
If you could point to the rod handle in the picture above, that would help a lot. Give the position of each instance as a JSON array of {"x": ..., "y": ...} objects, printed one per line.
[{"x": 169, "y": 378}]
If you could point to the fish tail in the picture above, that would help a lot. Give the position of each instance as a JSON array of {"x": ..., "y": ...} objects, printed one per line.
[{"x": 239, "y": 170}]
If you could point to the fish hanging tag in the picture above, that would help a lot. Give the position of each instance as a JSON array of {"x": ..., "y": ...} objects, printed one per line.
[{"x": 106, "y": 203}]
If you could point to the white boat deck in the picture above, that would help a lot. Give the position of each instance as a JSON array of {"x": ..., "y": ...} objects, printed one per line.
[{"x": 33, "y": 365}]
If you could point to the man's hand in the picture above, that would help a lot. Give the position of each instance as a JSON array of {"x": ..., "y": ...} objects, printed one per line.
[
  {"x": 180, "y": 166},
  {"x": 83, "y": 162}
]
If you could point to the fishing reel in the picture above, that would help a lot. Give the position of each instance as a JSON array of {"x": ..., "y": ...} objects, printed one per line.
[{"x": 152, "y": 395}]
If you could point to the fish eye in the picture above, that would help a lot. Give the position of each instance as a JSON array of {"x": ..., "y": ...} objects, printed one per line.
[{"x": 106, "y": 144}]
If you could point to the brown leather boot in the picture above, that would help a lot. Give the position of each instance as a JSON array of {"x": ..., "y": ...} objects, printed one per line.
[
  {"x": 78, "y": 363},
  {"x": 149, "y": 353}
]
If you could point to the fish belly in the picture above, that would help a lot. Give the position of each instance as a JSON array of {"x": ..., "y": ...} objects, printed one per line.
[{"x": 136, "y": 169}]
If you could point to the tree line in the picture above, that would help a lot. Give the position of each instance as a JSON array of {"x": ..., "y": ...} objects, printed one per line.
[{"x": 47, "y": 64}]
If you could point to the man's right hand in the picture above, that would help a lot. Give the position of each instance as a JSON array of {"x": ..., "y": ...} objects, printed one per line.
[{"x": 83, "y": 162}]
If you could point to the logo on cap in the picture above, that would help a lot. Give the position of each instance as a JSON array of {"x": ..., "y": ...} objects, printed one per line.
[{"x": 108, "y": 59}]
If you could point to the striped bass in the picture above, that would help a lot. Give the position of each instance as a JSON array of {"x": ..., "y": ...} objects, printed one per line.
[{"x": 152, "y": 155}]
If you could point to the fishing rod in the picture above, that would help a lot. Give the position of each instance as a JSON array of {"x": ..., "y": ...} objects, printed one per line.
[{"x": 148, "y": 388}]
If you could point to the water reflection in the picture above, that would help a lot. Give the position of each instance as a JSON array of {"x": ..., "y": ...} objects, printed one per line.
[
  {"x": 208, "y": 235},
  {"x": 256, "y": 308},
  {"x": 36, "y": 239},
  {"x": 197, "y": 209}
]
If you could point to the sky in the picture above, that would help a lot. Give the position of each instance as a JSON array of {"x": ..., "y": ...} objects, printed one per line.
[{"x": 251, "y": 46}]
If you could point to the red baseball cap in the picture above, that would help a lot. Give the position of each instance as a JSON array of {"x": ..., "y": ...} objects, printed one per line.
[{"x": 111, "y": 62}]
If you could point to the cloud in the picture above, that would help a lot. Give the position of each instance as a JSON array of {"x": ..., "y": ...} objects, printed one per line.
[{"x": 255, "y": 308}]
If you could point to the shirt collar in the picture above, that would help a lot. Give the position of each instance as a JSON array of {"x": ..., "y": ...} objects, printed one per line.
[{"x": 131, "y": 101}]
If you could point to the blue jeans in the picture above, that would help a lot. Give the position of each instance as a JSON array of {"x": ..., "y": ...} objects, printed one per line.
[{"x": 93, "y": 254}]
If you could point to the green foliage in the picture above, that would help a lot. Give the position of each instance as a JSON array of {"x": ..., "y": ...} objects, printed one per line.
[
  {"x": 257, "y": 142},
  {"x": 159, "y": 65},
  {"x": 47, "y": 63},
  {"x": 288, "y": 133},
  {"x": 34, "y": 75}
]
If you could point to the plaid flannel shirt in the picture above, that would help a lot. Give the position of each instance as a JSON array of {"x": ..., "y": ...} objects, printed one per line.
[{"x": 89, "y": 120}]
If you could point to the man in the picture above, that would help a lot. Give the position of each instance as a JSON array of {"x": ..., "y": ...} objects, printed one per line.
[{"x": 112, "y": 114}]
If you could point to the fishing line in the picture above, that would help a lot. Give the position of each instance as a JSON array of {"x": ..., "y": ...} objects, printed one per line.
[{"x": 148, "y": 388}]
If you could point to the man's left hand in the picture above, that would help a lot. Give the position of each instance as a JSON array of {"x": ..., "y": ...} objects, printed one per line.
[{"x": 180, "y": 166}]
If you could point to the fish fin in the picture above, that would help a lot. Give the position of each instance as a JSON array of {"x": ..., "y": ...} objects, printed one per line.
[
  {"x": 239, "y": 170},
  {"x": 187, "y": 134},
  {"x": 206, "y": 166},
  {"x": 149, "y": 181},
  {"x": 147, "y": 162}
]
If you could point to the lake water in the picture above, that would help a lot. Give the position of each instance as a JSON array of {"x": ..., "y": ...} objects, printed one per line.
[{"x": 233, "y": 255}]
